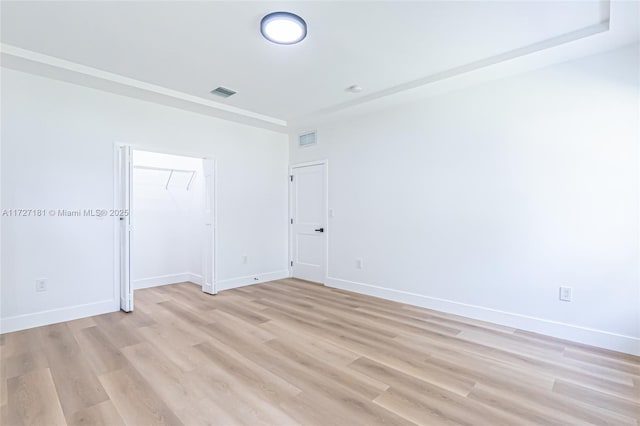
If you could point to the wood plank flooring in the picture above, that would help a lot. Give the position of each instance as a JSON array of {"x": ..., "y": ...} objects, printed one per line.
[{"x": 294, "y": 353}]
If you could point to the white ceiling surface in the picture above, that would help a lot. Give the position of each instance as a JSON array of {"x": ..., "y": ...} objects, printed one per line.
[{"x": 388, "y": 47}]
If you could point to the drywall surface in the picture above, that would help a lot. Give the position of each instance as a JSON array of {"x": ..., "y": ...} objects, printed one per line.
[
  {"x": 58, "y": 153},
  {"x": 167, "y": 224},
  {"x": 485, "y": 201}
]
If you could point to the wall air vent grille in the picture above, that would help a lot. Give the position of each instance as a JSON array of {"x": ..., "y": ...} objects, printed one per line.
[
  {"x": 223, "y": 92},
  {"x": 307, "y": 139}
]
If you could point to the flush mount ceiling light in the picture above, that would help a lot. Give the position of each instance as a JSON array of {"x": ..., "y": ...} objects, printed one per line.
[{"x": 283, "y": 28}]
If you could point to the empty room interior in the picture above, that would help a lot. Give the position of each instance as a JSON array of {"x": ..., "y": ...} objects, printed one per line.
[{"x": 320, "y": 213}]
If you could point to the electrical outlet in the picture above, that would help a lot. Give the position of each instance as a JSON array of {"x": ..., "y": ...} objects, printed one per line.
[
  {"x": 359, "y": 264},
  {"x": 565, "y": 294},
  {"x": 41, "y": 285},
  {"x": 245, "y": 259}
]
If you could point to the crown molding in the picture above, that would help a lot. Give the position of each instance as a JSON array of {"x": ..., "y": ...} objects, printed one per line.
[{"x": 37, "y": 63}]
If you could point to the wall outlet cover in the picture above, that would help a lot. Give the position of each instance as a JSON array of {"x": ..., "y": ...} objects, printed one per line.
[
  {"x": 565, "y": 294},
  {"x": 41, "y": 285}
]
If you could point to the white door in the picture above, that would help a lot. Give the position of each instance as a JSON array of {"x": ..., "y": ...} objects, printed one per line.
[
  {"x": 308, "y": 222},
  {"x": 124, "y": 205},
  {"x": 208, "y": 264}
]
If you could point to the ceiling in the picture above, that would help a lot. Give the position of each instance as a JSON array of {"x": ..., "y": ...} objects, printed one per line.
[{"x": 385, "y": 47}]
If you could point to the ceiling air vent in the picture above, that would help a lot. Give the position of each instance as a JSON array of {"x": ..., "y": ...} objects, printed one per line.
[
  {"x": 223, "y": 92},
  {"x": 307, "y": 139}
]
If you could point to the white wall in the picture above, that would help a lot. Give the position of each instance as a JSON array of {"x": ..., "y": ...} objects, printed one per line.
[
  {"x": 58, "y": 152},
  {"x": 486, "y": 200},
  {"x": 167, "y": 222}
]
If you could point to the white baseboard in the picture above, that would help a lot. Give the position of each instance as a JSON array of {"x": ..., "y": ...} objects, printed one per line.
[
  {"x": 166, "y": 279},
  {"x": 251, "y": 279},
  {"x": 53, "y": 316},
  {"x": 195, "y": 278},
  {"x": 575, "y": 333},
  {"x": 37, "y": 319}
]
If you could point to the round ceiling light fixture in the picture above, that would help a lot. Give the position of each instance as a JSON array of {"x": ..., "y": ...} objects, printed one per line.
[{"x": 283, "y": 28}]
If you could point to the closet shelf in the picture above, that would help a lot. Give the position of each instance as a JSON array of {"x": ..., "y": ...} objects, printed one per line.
[{"x": 171, "y": 172}]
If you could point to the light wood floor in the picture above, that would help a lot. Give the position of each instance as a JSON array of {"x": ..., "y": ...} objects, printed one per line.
[{"x": 289, "y": 352}]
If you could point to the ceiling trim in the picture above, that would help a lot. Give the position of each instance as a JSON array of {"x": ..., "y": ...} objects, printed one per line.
[
  {"x": 16, "y": 53},
  {"x": 467, "y": 68}
]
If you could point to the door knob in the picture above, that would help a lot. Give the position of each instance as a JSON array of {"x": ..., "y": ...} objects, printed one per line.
[{"x": 319, "y": 230}]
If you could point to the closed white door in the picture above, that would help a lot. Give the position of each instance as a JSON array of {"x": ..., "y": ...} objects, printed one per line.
[{"x": 308, "y": 222}]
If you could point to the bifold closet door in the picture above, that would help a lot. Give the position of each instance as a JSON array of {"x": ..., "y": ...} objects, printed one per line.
[
  {"x": 124, "y": 205},
  {"x": 208, "y": 261}
]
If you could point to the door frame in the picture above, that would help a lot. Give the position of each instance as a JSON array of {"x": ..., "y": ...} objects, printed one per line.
[
  {"x": 116, "y": 222},
  {"x": 327, "y": 226}
]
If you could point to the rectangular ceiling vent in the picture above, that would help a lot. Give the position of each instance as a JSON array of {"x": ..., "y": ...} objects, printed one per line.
[
  {"x": 223, "y": 92},
  {"x": 307, "y": 139}
]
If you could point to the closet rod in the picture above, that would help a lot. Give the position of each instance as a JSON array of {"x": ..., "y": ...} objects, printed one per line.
[
  {"x": 163, "y": 169},
  {"x": 171, "y": 171}
]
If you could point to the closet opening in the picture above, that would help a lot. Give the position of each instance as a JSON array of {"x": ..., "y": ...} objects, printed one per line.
[{"x": 167, "y": 237}]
